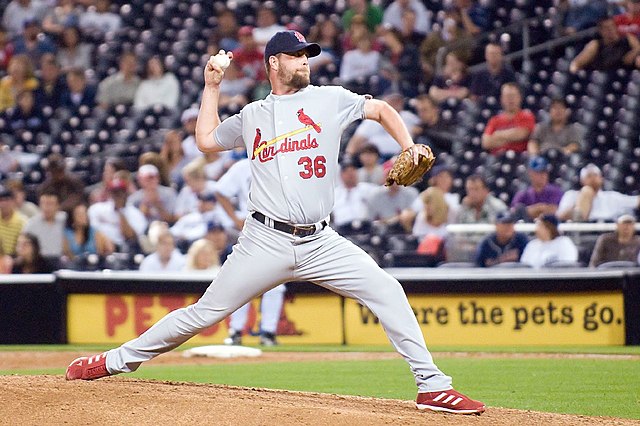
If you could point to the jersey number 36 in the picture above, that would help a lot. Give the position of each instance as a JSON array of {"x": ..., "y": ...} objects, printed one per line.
[{"x": 315, "y": 167}]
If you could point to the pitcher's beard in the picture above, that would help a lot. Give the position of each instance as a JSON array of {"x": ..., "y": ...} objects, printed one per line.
[
  {"x": 296, "y": 80},
  {"x": 300, "y": 81}
]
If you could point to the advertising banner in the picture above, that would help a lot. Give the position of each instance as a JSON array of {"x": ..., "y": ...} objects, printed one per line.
[{"x": 513, "y": 319}]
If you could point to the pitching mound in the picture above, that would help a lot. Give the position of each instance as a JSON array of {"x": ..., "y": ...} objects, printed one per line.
[{"x": 37, "y": 400}]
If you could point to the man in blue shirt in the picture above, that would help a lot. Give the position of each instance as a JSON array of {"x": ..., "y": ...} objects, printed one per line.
[{"x": 504, "y": 245}]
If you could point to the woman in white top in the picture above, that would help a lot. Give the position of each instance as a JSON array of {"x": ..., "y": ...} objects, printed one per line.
[
  {"x": 159, "y": 87},
  {"x": 432, "y": 217},
  {"x": 202, "y": 256},
  {"x": 73, "y": 53},
  {"x": 549, "y": 246}
]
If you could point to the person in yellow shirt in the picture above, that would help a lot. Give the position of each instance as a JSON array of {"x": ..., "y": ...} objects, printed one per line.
[
  {"x": 19, "y": 78},
  {"x": 11, "y": 222}
]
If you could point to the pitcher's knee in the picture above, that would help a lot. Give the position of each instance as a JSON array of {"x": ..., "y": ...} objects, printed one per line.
[{"x": 205, "y": 316}]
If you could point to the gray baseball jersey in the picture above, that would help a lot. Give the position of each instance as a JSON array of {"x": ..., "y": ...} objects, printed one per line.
[{"x": 294, "y": 153}]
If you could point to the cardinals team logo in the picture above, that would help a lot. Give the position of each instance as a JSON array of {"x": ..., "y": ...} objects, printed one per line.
[
  {"x": 305, "y": 119},
  {"x": 300, "y": 37},
  {"x": 265, "y": 150}
]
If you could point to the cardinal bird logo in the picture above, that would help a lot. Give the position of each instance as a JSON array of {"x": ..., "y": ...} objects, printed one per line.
[
  {"x": 305, "y": 119},
  {"x": 256, "y": 142}
]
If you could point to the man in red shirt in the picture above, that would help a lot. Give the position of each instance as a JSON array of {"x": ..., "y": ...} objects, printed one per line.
[
  {"x": 248, "y": 56},
  {"x": 629, "y": 22},
  {"x": 510, "y": 129}
]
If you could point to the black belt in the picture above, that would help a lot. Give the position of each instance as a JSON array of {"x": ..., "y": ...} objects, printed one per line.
[{"x": 298, "y": 231}]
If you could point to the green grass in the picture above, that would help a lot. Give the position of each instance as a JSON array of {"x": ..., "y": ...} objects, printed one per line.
[{"x": 595, "y": 387}]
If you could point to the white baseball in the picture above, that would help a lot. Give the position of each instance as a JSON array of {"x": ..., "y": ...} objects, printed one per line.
[{"x": 221, "y": 59}]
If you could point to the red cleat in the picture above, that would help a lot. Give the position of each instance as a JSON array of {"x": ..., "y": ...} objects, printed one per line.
[
  {"x": 88, "y": 368},
  {"x": 449, "y": 401}
]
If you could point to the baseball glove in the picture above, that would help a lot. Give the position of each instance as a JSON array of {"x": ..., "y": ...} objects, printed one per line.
[{"x": 406, "y": 172}]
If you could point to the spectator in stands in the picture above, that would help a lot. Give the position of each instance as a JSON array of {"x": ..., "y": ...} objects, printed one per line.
[
  {"x": 408, "y": 31},
  {"x": 549, "y": 246},
  {"x": 69, "y": 188},
  {"x": 226, "y": 31},
  {"x": 355, "y": 32},
  {"x": 235, "y": 88},
  {"x": 432, "y": 130},
  {"x": 557, "y": 133},
  {"x": 80, "y": 238},
  {"x": 78, "y": 93},
  {"x": 72, "y": 52},
  {"x": 369, "y": 131},
  {"x": 386, "y": 203},
  {"x": 189, "y": 146},
  {"x": 193, "y": 225},
  {"x": 155, "y": 159},
  {"x": 122, "y": 223},
  {"x": 11, "y": 222},
  {"x": 371, "y": 171},
  {"x": 32, "y": 42},
  {"x": 503, "y": 245},
  {"x": 371, "y": 13},
  {"x": 510, "y": 129},
  {"x": 160, "y": 87},
  {"x": 202, "y": 256},
  {"x": 433, "y": 216},
  {"x": 454, "y": 81},
  {"x": 610, "y": 50},
  {"x": 400, "y": 64},
  {"x": 351, "y": 197},
  {"x": 489, "y": 81},
  {"x": 266, "y": 25},
  {"x": 17, "y": 13},
  {"x": 359, "y": 64},
  {"x": 155, "y": 201},
  {"x": 19, "y": 78},
  {"x": 479, "y": 206},
  {"x": 232, "y": 192},
  {"x": 249, "y": 55},
  {"x": 581, "y": 14},
  {"x": 99, "y": 192},
  {"x": 6, "y": 262},
  {"x": 120, "y": 88},
  {"x": 440, "y": 177},
  {"x": 195, "y": 183},
  {"x": 217, "y": 235},
  {"x": 166, "y": 258},
  {"x": 474, "y": 15},
  {"x": 452, "y": 35},
  {"x": 327, "y": 34},
  {"x": 8, "y": 162},
  {"x": 48, "y": 225},
  {"x": 26, "y": 116},
  {"x": 393, "y": 15},
  {"x": 51, "y": 84},
  {"x": 592, "y": 203},
  {"x": 99, "y": 19},
  {"x": 6, "y": 49},
  {"x": 65, "y": 14},
  {"x": 22, "y": 205},
  {"x": 628, "y": 22},
  {"x": 28, "y": 259},
  {"x": 541, "y": 197},
  {"x": 621, "y": 245},
  {"x": 173, "y": 156}
]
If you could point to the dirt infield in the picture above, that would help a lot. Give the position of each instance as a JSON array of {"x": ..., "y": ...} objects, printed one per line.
[{"x": 32, "y": 400}]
